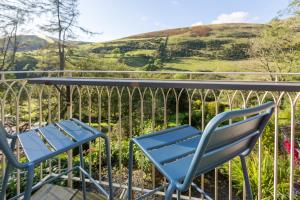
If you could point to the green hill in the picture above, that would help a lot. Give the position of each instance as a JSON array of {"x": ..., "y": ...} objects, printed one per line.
[
  {"x": 220, "y": 47},
  {"x": 199, "y": 48},
  {"x": 30, "y": 42}
]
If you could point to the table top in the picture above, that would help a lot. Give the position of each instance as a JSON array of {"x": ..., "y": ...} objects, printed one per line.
[{"x": 156, "y": 83}]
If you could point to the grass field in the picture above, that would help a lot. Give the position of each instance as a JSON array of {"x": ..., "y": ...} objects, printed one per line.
[{"x": 203, "y": 64}]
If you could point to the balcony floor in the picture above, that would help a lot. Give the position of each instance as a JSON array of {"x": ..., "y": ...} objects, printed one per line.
[{"x": 54, "y": 192}]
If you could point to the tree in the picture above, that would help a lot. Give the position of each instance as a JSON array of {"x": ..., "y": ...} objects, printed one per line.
[
  {"x": 25, "y": 63},
  {"x": 13, "y": 14},
  {"x": 277, "y": 47},
  {"x": 293, "y": 8},
  {"x": 162, "y": 51},
  {"x": 64, "y": 22}
]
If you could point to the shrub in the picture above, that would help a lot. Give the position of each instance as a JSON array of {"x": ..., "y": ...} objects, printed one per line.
[
  {"x": 153, "y": 65},
  {"x": 116, "y": 51}
]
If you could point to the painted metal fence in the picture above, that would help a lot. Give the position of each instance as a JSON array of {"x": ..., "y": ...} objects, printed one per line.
[{"x": 124, "y": 112}]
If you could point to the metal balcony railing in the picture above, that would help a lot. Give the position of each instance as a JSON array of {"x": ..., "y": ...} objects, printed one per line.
[{"x": 124, "y": 110}]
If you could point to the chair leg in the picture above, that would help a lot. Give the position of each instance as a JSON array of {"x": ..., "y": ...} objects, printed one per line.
[
  {"x": 178, "y": 194},
  {"x": 108, "y": 162},
  {"x": 130, "y": 167},
  {"x": 29, "y": 182},
  {"x": 169, "y": 192},
  {"x": 246, "y": 177},
  {"x": 5, "y": 180},
  {"x": 81, "y": 173}
]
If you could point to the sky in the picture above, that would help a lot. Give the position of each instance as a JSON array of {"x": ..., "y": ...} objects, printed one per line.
[{"x": 120, "y": 18}]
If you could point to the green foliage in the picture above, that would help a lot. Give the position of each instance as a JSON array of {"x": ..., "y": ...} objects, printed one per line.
[
  {"x": 162, "y": 53},
  {"x": 154, "y": 65},
  {"x": 217, "y": 44},
  {"x": 267, "y": 178},
  {"x": 116, "y": 51},
  {"x": 121, "y": 58},
  {"x": 294, "y": 7},
  {"x": 127, "y": 46},
  {"x": 242, "y": 34},
  {"x": 199, "y": 47},
  {"x": 236, "y": 51},
  {"x": 194, "y": 44},
  {"x": 277, "y": 47},
  {"x": 25, "y": 63},
  {"x": 120, "y": 151},
  {"x": 209, "y": 108},
  {"x": 268, "y": 137}
]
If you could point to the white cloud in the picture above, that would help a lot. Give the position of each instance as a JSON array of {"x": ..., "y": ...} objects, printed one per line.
[
  {"x": 234, "y": 17},
  {"x": 197, "y": 24}
]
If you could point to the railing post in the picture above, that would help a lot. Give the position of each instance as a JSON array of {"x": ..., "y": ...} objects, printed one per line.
[
  {"x": 70, "y": 152},
  {"x": 276, "y": 149},
  {"x": 70, "y": 74},
  {"x": 292, "y": 162}
]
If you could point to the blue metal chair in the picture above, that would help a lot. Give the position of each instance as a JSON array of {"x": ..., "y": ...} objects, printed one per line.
[
  {"x": 45, "y": 143},
  {"x": 184, "y": 153}
]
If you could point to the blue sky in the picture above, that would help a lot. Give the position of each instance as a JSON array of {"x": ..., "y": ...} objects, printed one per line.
[{"x": 120, "y": 18}]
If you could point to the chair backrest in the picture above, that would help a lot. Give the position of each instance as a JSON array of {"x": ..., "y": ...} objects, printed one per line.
[
  {"x": 219, "y": 144},
  {"x": 6, "y": 149}
]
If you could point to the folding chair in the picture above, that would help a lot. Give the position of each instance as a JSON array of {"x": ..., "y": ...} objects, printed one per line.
[
  {"x": 183, "y": 153},
  {"x": 45, "y": 143}
]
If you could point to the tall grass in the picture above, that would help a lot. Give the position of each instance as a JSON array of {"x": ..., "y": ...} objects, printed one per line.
[{"x": 267, "y": 176}]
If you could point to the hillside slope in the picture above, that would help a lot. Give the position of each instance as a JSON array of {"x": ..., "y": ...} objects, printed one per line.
[
  {"x": 220, "y": 47},
  {"x": 189, "y": 47}
]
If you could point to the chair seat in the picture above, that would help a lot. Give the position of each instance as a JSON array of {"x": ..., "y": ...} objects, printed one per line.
[
  {"x": 171, "y": 150},
  {"x": 42, "y": 143}
]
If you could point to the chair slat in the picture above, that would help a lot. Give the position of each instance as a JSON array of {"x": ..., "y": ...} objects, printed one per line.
[
  {"x": 75, "y": 131},
  {"x": 175, "y": 151},
  {"x": 55, "y": 137},
  {"x": 85, "y": 126},
  {"x": 219, "y": 156},
  {"x": 33, "y": 146},
  {"x": 230, "y": 133},
  {"x": 168, "y": 137}
]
